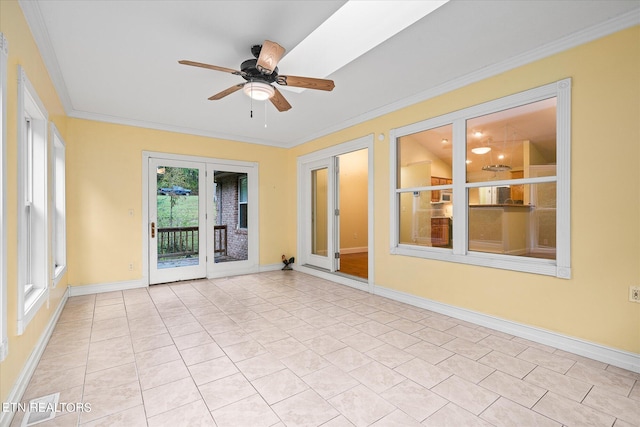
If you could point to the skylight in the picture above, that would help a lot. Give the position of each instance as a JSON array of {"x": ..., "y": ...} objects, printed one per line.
[{"x": 354, "y": 29}]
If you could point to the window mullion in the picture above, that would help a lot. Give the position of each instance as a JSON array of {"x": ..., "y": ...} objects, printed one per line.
[{"x": 460, "y": 198}]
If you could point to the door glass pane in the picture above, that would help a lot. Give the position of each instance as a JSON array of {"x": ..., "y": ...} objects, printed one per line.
[
  {"x": 177, "y": 226},
  {"x": 231, "y": 208},
  {"x": 319, "y": 220}
]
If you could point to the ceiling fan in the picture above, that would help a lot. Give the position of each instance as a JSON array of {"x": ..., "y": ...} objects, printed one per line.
[{"x": 261, "y": 72}]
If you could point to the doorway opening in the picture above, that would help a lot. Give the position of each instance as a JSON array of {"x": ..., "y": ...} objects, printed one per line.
[
  {"x": 353, "y": 236},
  {"x": 200, "y": 217},
  {"x": 335, "y": 197}
]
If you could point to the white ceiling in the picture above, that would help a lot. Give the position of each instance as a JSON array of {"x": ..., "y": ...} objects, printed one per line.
[{"x": 117, "y": 61}]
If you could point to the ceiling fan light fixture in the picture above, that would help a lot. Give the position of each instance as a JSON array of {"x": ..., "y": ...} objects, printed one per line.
[
  {"x": 259, "y": 91},
  {"x": 480, "y": 150}
]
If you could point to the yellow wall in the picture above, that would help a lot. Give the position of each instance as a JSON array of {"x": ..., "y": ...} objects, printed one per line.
[
  {"x": 605, "y": 201},
  {"x": 104, "y": 165},
  {"x": 353, "y": 200},
  {"x": 23, "y": 51}
]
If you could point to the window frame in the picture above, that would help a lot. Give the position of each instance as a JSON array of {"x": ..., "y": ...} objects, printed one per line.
[
  {"x": 58, "y": 205},
  {"x": 240, "y": 203},
  {"x": 4, "y": 54},
  {"x": 561, "y": 266},
  {"x": 33, "y": 267}
]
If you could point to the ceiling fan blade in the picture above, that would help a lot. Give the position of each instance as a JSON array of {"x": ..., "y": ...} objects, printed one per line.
[
  {"x": 280, "y": 102},
  {"x": 226, "y": 92},
  {"x": 211, "y": 67},
  {"x": 270, "y": 55},
  {"x": 306, "y": 82}
]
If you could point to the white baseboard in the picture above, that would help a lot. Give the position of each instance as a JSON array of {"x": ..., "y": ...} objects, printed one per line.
[
  {"x": 20, "y": 386},
  {"x": 334, "y": 277},
  {"x": 75, "y": 291},
  {"x": 357, "y": 250},
  {"x": 271, "y": 267},
  {"x": 620, "y": 358}
]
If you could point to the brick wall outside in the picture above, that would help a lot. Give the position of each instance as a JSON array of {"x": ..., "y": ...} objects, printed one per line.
[{"x": 237, "y": 241}]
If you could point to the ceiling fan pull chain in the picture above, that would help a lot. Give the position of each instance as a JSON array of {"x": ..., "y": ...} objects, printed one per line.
[{"x": 265, "y": 115}]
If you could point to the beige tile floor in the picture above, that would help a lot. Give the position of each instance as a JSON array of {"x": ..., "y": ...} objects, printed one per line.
[{"x": 284, "y": 348}]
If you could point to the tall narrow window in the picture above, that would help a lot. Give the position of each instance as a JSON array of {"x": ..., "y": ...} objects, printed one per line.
[
  {"x": 4, "y": 53},
  {"x": 243, "y": 199},
  {"x": 33, "y": 243},
  {"x": 59, "y": 220}
]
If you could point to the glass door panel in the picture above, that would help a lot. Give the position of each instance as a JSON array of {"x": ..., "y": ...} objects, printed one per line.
[
  {"x": 177, "y": 216},
  {"x": 319, "y": 210},
  {"x": 230, "y": 216},
  {"x": 232, "y": 220}
]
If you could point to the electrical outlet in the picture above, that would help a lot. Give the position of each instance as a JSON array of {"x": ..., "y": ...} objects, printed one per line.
[
  {"x": 634, "y": 293},
  {"x": 130, "y": 266}
]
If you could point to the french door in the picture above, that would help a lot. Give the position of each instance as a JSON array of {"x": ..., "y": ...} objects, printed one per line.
[
  {"x": 322, "y": 222},
  {"x": 202, "y": 218},
  {"x": 335, "y": 205},
  {"x": 232, "y": 218},
  {"x": 177, "y": 220}
]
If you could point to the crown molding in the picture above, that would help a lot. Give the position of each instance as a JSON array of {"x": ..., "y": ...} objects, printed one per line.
[
  {"x": 35, "y": 20},
  {"x": 168, "y": 128},
  {"x": 578, "y": 38},
  {"x": 38, "y": 28}
]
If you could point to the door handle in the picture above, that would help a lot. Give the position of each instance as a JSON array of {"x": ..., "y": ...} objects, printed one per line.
[{"x": 153, "y": 230}]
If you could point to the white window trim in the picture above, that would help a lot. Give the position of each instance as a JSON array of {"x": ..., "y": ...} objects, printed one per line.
[
  {"x": 30, "y": 106},
  {"x": 58, "y": 222},
  {"x": 561, "y": 266},
  {"x": 4, "y": 54}
]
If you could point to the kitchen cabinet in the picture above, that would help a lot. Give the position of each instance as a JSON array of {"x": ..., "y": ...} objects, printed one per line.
[
  {"x": 435, "y": 180},
  {"x": 441, "y": 232}
]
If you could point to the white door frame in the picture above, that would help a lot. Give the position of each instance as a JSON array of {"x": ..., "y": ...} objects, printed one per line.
[
  {"x": 252, "y": 265},
  {"x": 304, "y": 206}
]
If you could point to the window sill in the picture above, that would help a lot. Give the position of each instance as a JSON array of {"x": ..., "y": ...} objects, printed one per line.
[
  {"x": 32, "y": 304},
  {"x": 505, "y": 262},
  {"x": 58, "y": 273}
]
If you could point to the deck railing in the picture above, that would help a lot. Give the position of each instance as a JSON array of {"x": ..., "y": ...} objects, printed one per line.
[
  {"x": 176, "y": 242},
  {"x": 220, "y": 240}
]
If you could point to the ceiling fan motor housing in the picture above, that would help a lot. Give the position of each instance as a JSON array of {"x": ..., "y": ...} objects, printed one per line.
[{"x": 251, "y": 72}]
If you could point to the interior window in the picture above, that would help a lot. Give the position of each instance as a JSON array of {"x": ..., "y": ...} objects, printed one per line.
[
  {"x": 509, "y": 214},
  {"x": 425, "y": 179},
  {"x": 484, "y": 185}
]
